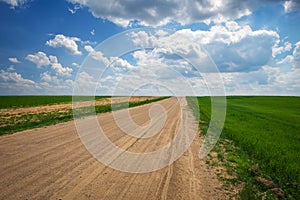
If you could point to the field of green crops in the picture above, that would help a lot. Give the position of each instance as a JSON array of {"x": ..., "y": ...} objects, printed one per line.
[{"x": 268, "y": 130}]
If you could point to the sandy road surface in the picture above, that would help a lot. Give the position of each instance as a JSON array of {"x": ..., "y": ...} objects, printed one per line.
[{"x": 52, "y": 163}]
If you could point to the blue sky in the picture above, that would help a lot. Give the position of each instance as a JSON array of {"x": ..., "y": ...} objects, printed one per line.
[{"x": 45, "y": 46}]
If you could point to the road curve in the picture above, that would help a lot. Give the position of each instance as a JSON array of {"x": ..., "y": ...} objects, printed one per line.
[{"x": 52, "y": 163}]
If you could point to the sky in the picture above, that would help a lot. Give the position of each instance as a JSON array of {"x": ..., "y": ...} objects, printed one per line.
[{"x": 141, "y": 47}]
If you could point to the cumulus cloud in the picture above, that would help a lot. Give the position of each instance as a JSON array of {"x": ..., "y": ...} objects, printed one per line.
[
  {"x": 14, "y": 3},
  {"x": 85, "y": 84},
  {"x": 292, "y": 60},
  {"x": 39, "y": 58},
  {"x": 52, "y": 84},
  {"x": 233, "y": 47},
  {"x": 14, "y": 77},
  {"x": 11, "y": 68},
  {"x": 51, "y": 79},
  {"x": 45, "y": 76},
  {"x": 291, "y": 5},
  {"x": 160, "y": 12},
  {"x": 96, "y": 55},
  {"x": 296, "y": 52},
  {"x": 268, "y": 80},
  {"x": 58, "y": 68},
  {"x": 239, "y": 52},
  {"x": 120, "y": 65},
  {"x": 236, "y": 47},
  {"x": 117, "y": 64},
  {"x": 277, "y": 50},
  {"x": 67, "y": 42},
  {"x": 157, "y": 66},
  {"x": 12, "y": 83},
  {"x": 13, "y": 60}
]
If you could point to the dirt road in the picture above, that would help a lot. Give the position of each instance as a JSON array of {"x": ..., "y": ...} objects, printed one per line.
[{"x": 52, "y": 163}]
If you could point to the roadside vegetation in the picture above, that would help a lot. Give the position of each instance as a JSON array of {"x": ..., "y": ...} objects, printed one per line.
[
  {"x": 259, "y": 145},
  {"x": 10, "y": 123}
]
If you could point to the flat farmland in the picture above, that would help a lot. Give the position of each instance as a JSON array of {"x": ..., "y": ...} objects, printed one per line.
[{"x": 256, "y": 157}]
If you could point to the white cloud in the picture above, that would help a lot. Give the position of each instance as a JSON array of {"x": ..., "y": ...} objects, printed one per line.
[
  {"x": 40, "y": 59},
  {"x": 85, "y": 84},
  {"x": 13, "y": 60},
  {"x": 45, "y": 76},
  {"x": 92, "y": 32},
  {"x": 160, "y": 12},
  {"x": 143, "y": 39},
  {"x": 246, "y": 54},
  {"x": 280, "y": 79},
  {"x": 287, "y": 6},
  {"x": 51, "y": 79},
  {"x": 291, "y": 60},
  {"x": 15, "y": 3},
  {"x": 161, "y": 67},
  {"x": 84, "y": 77},
  {"x": 288, "y": 59},
  {"x": 75, "y": 64},
  {"x": 116, "y": 64},
  {"x": 119, "y": 64},
  {"x": 268, "y": 80},
  {"x": 291, "y": 5},
  {"x": 233, "y": 47},
  {"x": 58, "y": 68},
  {"x": 74, "y": 9},
  {"x": 67, "y": 42},
  {"x": 52, "y": 84},
  {"x": 277, "y": 50},
  {"x": 87, "y": 42},
  {"x": 12, "y": 83},
  {"x": 231, "y": 33},
  {"x": 97, "y": 55},
  {"x": 296, "y": 52},
  {"x": 71, "y": 11},
  {"x": 11, "y": 68},
  {"x": 14, "y": 77}
]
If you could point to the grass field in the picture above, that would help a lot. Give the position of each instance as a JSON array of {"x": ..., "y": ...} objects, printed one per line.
[
  {"x": 29, "y": 101},
  {"x": 267, "y": 129}
]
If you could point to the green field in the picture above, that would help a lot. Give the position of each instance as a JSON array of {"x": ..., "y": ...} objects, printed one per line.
[
  {"x": 267, "y": 129},
  {"x": 30, "y": 101}
]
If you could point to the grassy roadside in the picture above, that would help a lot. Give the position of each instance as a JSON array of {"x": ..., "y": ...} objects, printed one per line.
[
  {"x": 21, "y": 122},
  {"x": 259, "y": 145}
]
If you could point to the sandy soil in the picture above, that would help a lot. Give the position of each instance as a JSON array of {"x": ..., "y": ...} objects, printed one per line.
[{"x": 52, "y": 163}]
